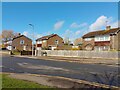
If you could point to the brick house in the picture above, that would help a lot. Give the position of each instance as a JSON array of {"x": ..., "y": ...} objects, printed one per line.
[
  {"x": 49, "y": 42},
  {"x": 20, "y": 43},
  {"x": 102, "y": 40}
]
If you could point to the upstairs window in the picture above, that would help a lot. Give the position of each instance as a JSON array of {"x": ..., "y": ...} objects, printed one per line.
[
  {"x": 88, "y": 39},
  {"x": 102, "y": 38},
  {"x": 56, "y": 42},
  {"x": 22, "y": 42}
]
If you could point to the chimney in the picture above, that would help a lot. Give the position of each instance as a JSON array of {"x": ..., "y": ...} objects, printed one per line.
[
  {"x": 108, "y": 27},
  {"x": 19, "y": 34}
]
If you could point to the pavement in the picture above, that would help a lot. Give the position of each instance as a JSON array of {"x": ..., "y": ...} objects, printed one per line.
[{"x": 114, "y": 62}]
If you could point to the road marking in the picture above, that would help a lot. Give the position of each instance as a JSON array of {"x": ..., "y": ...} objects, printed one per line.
[
  {"x": 25, "y": 63},
  {"x": 41, "y": 67},
  {"x": 12, "y": 69}
]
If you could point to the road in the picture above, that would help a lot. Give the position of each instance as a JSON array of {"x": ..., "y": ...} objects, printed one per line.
[{"x": 89, "y": 72}]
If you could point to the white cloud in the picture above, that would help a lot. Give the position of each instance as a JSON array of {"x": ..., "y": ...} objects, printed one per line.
[
  {"x": 77, "y": 32},
  {"x": 72, "y": 35},
  {"x": 75, "y": 25},
  {"x": 99, "y": 23},
  {"x": 25, "y": 33},
  {"x": 28, "y": 34},
  {"x": 37, "y": 36},
  {"x": 58, "y": 25},
  {"x": 114, "y": 24}
]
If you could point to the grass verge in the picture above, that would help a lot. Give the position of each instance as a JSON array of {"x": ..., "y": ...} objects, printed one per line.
[{"x": 8, "y": 82}]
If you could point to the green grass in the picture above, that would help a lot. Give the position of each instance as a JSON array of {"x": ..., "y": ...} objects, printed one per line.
[
  {"x": 16, "y": 52},
  {"x": 8, "y": 82}
]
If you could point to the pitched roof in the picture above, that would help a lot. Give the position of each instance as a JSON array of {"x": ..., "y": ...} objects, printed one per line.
[
  {"x": 46, "y": 37},
  {"x": 100, "y": 32},
  {"x": 21, "y": 36}
]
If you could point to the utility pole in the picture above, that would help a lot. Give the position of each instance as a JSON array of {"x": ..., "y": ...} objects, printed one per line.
[{"x": 33, "y": 39}]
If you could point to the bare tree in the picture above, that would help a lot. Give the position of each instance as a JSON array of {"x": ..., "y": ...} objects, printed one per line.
[
  {"x": 66, "y": 41},
  {"x": 7, "y": 34}
]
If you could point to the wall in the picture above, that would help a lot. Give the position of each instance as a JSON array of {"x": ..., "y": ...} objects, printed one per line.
[
  {"x": 85, "y": 43},
  {"x": 51, "y": 41},
  {"x": 115, "y": 41},
  {"x": 82, "y": 54}
]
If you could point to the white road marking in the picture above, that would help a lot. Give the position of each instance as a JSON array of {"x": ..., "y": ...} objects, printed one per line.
[
  {"x": 42, "y": 67},
  {"x": 11, "y": 69}
]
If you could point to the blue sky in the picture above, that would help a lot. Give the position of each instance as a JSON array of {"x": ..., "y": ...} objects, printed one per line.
[{"x": 63, "y": 18}]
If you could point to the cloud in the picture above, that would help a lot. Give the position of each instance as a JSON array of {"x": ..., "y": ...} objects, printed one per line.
[
  {"x": 99, "y": 23},
  {"x": 25, "y": 33},
  {"x": 28, "y": 34},
  {"x": 75, "y": 25},
  {"x": 77, "y": 32},
  {"x": 37, "y": 36},
  {"x": 58, "y": 25},
  {"x": 114, "y": 24},
  {"x": 71, "y": 35}
]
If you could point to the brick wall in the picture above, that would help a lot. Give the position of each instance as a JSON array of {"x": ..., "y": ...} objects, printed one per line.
[{"x": 18, "y": 46}]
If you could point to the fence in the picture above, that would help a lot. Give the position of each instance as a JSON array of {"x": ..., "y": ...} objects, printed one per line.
[{"x": 81, "y": 54}]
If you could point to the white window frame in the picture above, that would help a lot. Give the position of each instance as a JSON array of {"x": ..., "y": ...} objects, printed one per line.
[
  {"x": 24, "y": 47},
  {"x": 88, "y": 39},
  {"x": 39, "y": 42},
  {"x": 56, "y": 42},
  {"x": 22, "y": 41},
  {"x": 44, "y": 41},
  {"x": 102, "y": 38}
]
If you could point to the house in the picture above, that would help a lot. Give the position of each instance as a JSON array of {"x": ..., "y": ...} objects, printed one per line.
[
  {"x": 19, "y": 43},
  {"x": 102, "y": 40},
  {"x": 78, "y": 41},
  {"x": 49, "y": 42}
]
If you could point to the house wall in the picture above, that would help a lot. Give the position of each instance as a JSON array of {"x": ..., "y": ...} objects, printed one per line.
[
  {"x": 27, "y": 42},
  {"x": 85, "y": 43},
  {"x": 45, "y": 43},
  {"x": 51, "y": 41},
  {"x": 115, "y": 41}
]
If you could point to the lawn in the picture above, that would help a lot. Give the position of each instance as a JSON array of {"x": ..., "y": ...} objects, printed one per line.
[{"x": 8, "y": 82}]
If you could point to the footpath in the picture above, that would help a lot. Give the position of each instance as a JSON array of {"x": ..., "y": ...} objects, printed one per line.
[{"x": 114, "y": 62}]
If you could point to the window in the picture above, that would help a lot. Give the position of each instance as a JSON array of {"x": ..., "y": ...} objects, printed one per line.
[
  {"x": 24, "y": 47},
  {"x": 22, "y": 42},
  {"x": 106, "y": 38},
  {"x": 102, "y": 38},
  {"x": 56, "y": 42},
  {"x": 39, "y": 42},
  {"x": 44, "y": 41},
  {"x": 88, "y": 39}
]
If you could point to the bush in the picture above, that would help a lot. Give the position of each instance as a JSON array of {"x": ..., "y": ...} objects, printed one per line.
[
  {"x": 16, "y": 52},
  {"x": 76, "y": 49}
]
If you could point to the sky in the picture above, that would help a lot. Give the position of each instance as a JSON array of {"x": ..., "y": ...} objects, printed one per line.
[{"x": 67, "y": 19}]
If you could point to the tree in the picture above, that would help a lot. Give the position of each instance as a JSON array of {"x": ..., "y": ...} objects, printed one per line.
[
  {"x": 7, "y": 34},
  {"x": 67, "y": 41}
]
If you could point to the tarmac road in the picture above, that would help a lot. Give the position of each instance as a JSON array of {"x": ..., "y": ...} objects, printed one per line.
[{"x": 89, "y": 72}]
